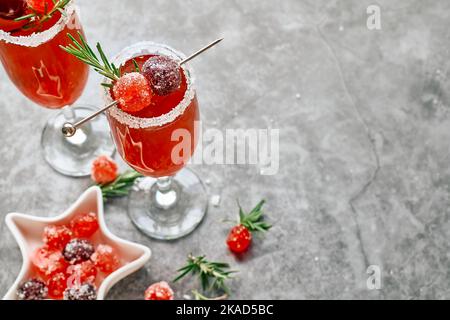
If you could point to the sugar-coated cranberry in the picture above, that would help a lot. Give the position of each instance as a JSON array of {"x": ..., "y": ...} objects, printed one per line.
[
  {"x": 159, "y": 291},
  {"x": 85, "y": 225},
  {"x": 41, "y": 6},
  {"x": 56, "y": 284},
  {"x": 56, "y": 237},
  {"x": 33, "y": 289},
  {"x": 85, "y": 291},
  {"x": 48, "y": 261},
  {"x": 239, "y": 239},
  {"x": 133, "y": 92},
  {"x": 104, "y": 170},
  {"x": 84, "y": 272},
  {"x": 78, "y": 250},
  {"x": 105, "y": 259},
  {"x": 12, "y": 9},
  {"x": 163, "y": 73}
]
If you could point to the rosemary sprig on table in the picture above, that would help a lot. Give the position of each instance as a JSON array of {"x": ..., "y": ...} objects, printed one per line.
[
  {"x": 212, "y": 275},
  {"x": 39, "y": 18},
  {"x": 84, "y": 52},
  {"x": 253, "y": 220},
  {"x": 121, "y": 186}
]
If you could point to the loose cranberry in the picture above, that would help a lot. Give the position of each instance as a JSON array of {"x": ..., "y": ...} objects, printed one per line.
[
  {"x": 77, "y": 251},
  {"x": 56, "y": 237},
  {"x": 85, "y": 291},
  {"x": 56, "y": 285},
  {"x": 239, "y": 239},
  {"x": 33, "y": 289},
  {"x": 84, "y": 226},
  {"x": 104, "y": 170},
  {"x": 82, "y": 273},
  {"x": 159, "y": 291},
  {"x": 105, "y": 259},
  {"x": 48, "y": 261}
]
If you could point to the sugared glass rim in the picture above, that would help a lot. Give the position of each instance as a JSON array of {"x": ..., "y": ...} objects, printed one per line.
[
  {"x": 36, "y": 39},
  {"x": 145, "y": 48}
]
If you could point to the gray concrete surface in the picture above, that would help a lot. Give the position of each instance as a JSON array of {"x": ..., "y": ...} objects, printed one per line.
[{"x": 364, "y": 174}]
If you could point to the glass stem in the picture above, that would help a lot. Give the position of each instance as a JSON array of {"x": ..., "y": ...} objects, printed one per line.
[
  {"x": 69, "y": 114},
  {"x": 166, "y": 197}
]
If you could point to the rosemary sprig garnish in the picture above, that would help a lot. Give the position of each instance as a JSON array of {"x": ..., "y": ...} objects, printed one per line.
[
  {"x": 136, "y": 66},
  {"x": 253, "y": 220},
  {"x": 212, "y": 275},
  {"x": 84, "y": 52},
  {"x": 121, "y": 186},
  {"x": 39, "y": 18}
]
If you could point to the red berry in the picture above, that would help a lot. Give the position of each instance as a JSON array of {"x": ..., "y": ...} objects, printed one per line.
[
  {"x": 56, "y": 237},
  {"x": 33, "y": 289},
  {"x": 159, "y": 291},
  {"x": 78, "y": 250},
  {"x": 163, "y": 73},
  {"x": 49, "y": 262},
  {"x": 239, "y": 239},
  {"x": 133, "y": 92},
  {"x": 84, "y": 291},
  {"x": 56, "y": 285},
  {"x": 105, "y": 259},
  {"x": 41, "y": 6},
  {"x": 84, "y": 272},
  {"x": 84, "y": 226},
  {"x": 12, "y": 9},
  {"x": 104, "y": 170}
]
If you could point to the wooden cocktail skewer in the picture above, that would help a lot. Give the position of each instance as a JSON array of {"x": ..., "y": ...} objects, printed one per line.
[{"x": 69, "y": 129}]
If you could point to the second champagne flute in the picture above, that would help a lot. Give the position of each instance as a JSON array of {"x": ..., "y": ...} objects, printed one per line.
[
  {"x": 54, "y": 79},
  {"x": 171, "y": 200}
]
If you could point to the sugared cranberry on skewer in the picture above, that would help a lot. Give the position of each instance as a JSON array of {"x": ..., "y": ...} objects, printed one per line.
[
  {"x": 12, "y": 9},
  {"x": 163, "y": 73},
  {"x": 126, "y": 92},
  {"x": 132, "y": 91},
  {"x": 41, "y": 6}
]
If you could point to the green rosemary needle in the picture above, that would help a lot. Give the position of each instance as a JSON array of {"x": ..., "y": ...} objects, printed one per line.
[
  {"x": 81, "y": 50},
  {"x": 37, "y": 18},
  {"x": 121, "y": 186}
]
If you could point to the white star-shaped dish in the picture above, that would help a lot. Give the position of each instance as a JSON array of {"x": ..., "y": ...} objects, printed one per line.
[{"x": 28, "y": 230}]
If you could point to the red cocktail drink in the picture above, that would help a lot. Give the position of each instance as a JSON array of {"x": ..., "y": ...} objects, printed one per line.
[
  {"x": 158, "y": 141},
  {"x": 39, "y": 68},
  {"x": 31, "y": 55},
  {"x": 148, "y": 148}
]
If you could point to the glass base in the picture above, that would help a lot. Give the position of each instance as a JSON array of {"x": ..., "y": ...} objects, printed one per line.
[
  {"x": 73, "y": 156},
  {"x": 172, "y": 214}
]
